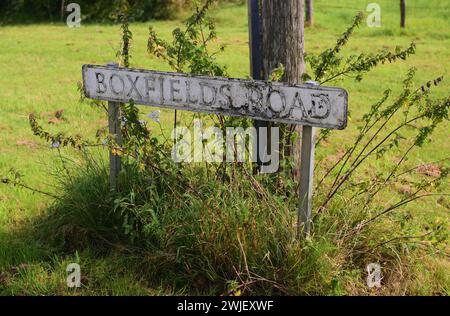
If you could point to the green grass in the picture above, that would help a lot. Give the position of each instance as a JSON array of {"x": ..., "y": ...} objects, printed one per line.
[{"x": 40, "y": 66}]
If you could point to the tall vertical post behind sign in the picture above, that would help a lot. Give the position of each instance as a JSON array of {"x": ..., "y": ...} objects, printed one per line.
[
  {"x": 294, "y": 71},
  {"x": 256, "y": 68}
]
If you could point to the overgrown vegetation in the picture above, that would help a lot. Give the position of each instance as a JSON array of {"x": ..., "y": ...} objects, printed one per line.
[{"x": 213, "y": 229}]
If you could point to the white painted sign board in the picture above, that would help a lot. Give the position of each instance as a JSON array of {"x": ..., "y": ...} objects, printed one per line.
[
  {"x": 263, "y": 100},
  {"x": 308, "y": 105}
]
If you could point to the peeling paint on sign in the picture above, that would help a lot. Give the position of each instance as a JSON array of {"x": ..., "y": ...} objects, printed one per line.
[{"x": 263, "y": 100}]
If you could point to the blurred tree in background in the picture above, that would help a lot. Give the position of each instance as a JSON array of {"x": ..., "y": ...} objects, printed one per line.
[{"x": 31, "y": 11}]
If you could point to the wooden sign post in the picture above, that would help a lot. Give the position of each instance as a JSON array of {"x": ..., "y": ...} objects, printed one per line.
[
  {"x": 307, "y": 105},
  {"x": 115, "y": 133}
]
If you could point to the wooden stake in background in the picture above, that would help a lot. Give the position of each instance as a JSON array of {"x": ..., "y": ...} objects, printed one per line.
[
  {"x": 116, "y": 135},
  {"x": 309, "y": 10},
  {"x": 402, "y": 13},
  {"x": 283, "y": 43}
]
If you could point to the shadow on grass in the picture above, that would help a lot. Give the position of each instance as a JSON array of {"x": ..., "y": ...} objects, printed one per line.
[
  {"x": 161, "y": 240},
  {"x": 79, "y": 227}
]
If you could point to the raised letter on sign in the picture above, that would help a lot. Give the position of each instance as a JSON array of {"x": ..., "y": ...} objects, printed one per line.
[{"x": 99, "y": 75}]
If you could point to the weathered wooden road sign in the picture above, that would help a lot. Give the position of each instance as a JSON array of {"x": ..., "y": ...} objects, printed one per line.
[
  {"x": 269, "y": 101},
  {"x": 309, "y": 105}
]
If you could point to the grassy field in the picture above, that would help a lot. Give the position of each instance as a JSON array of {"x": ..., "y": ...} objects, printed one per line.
[{"x": 40, "y": 66}]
